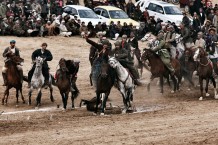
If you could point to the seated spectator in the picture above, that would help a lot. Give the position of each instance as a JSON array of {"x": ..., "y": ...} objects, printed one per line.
[
  {"x": 63, "y": 30},
  {"x": 17, "y": 29},
  {"x": 50, "y": 28},
  {"x": 84, "y": 30}
]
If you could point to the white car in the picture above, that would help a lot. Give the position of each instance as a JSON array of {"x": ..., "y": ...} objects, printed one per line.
[
  {"x": 163, "y": 10},
  {"x": 83, "y": 13}
]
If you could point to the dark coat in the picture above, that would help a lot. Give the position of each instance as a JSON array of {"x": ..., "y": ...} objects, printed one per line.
[
  {"x": 47, "y": 54},
  {"x": 202, "y": 18},
  {"x": 17, "y": 52}
]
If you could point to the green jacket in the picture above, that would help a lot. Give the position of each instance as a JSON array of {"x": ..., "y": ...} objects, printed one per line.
[
  {"x": 186, "y": 34},
  {"x": 161, "y": 48},
  {"x": 122, "y": 55}
]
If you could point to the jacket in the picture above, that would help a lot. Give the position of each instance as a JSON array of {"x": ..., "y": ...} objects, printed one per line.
[
  {"x": 17, "y": 52},
  {"x": 47, "y": 54},
  {"x": 162, "y": 49}
]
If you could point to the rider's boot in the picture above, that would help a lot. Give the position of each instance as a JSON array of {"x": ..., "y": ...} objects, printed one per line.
[
  {"x": 46, "y": 84},
  {"x": 4, "y": 79}
]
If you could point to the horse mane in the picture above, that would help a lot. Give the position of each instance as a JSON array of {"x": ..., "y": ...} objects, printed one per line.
[{"x": 154, "y": 53}]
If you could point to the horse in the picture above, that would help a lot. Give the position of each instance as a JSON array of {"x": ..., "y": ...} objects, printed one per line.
[
  {"x": 37, "y": 82},
  {"x": 188, "y": 65},
  {"x": 125, "y": 83},
  {"x": 13, "y": 77},
  {"x": 64, "y": 83},
  {"x": 205, "y": 71},
  {"x": 105, "y": 82},
  {"x": 158, "y": 69}
]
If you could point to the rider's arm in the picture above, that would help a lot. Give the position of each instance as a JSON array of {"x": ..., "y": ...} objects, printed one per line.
[
  {"x": 6, "y": 52},
  {"x": 160, "y": 46},
  {"x": 96, "y": 45},
  {"x": 172, "y": 38},
  {"x": 48, "y": 56},
  {"x": 34, "y": 55},
  {"x": 122, "y": 55}
]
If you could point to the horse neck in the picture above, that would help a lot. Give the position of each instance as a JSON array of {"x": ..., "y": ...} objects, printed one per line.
[
  {"x": 204, "y": 60},
  {"x": 12, "y": 69},
  {"x": 120, "y": 70},
  {"x": 38, "y": 71},
  {"x": 154, "y": 60}
]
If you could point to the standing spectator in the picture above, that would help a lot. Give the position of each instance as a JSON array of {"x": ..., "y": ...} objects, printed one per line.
[
  {"x": 3, "y": 9},
  {"x": 69, "y": 2},
  {"x": 185, "y": 20},
  {"x": 138, "y": 13},
  {"x": 201, "y": 16},
  {"x": 215, "y": 20},
  {"x": 211, "y": 15},
  {"x": 91, "y": 29},
  {"x": 44, "y": 11},
  {"x": 145, "y": 15},
  {"x": 130, "y": 8},
  {"x": 125, "y": 30},
  {"x": 37, "y": 7},
  {"x": 158, "y": 26}
]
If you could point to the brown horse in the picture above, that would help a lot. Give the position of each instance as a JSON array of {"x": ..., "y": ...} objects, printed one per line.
[
  {"x": 158, "y": 69},
  {"x": 13, "y": 77},
  {"x": 205, "y": 71},
  {"x": 65, "y": 84}
]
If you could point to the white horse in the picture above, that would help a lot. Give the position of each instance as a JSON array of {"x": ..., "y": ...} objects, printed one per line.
[
  {"x": 180, "y": 46},
  {"x": 125, "y": 82},
  {"x": 37, "y": 82}
]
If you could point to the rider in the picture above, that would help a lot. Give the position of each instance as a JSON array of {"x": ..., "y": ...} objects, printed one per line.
[
  {"x": 199, "y": 43},
  {"x": 133, "y": 41},
  {"x": 163, "y": 52},
  {"x": 46, "y": 54},
  {"x": 122, "y": 56},
  {"x": 186, "y": 34},
  {"x": 169, "y": 38},
  {"x": 12, "y": 49}
]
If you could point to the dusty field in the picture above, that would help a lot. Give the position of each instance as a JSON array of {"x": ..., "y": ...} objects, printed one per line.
[{"x": 167, "y": 119}]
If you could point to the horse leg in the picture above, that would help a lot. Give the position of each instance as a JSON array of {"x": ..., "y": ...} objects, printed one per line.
[
  {"x": 51, "y": 93},
  {"x": 38, "y": 98},
  {"x": 97, "y": 102},
  {"x": 201, "y": 88},
  {"x": 17, "y": 96},
  {"x": 63, "y": 100},
  {"x": 103, "y": 98},
  {"x": 5, "y": 94},
  {"x": 214, "y": 86},
  {"x": 174, "y": 83},
  {"x": 72, "y": 99},
  {"x": 161, "y": 84},
  {"x": 21, "y": 93},
  {"x": 30, "y": 94},
  {"x": 149, "y": 83},
  {"x": 206, "y": 87},
  {"x": 66, "y": 99}
]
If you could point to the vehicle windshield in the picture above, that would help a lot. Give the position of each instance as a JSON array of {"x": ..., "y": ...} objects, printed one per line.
[
  {"x": 172, "y": 10},
  {"x": 87, "y": 14},
  {"x": 118, "y": 14}
]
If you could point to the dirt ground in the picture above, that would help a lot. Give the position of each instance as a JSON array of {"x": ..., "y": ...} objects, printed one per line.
[{"x": 165, "y": 119}]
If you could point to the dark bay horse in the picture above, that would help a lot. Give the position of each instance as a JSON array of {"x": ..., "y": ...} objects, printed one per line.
[
  {"x": 105, "y": 82},
  {"x": 13, "y": 78},
  {"x": 158, "y": 69},
  {"x": 205, "y": 71},
  {"x": 188, "y": 65},
  {"x": 65, "y": 82}
]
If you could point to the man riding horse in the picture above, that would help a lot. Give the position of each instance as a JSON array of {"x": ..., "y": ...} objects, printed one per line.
[
  {"x": 122, "y": 55},
  {"x": 186, "y": 36},
  {"x": 8, "y": 51},
  {"x": 164, "y": 53},
  {"x": 47, "y": 56},
  {"x": 199, "y": 43}
]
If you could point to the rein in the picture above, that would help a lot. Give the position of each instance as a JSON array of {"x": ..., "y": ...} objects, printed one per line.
[{"x": 208, "y": 62}]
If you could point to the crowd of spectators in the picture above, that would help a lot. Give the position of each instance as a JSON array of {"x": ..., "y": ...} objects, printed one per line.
[{"x": 45, "y": 18}]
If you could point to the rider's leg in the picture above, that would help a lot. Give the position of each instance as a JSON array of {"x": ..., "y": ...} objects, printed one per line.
[
  {"x": 135, "y": 74},
  {"x": 4, "y": 69},
  {"x": 45, "y": 72},
  {"x": 167, "y": 63}
]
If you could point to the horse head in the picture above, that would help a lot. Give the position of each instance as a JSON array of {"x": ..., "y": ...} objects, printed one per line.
[
  {"x": 202, "y": 53},
  {"x": 39, "y": 61},
  {"x": 147, "y": 53},
  {"x": 62, "y": 64},
  {"x": 104, "y": 69},
  {"x": 188, "y": 54},
  {"x": 112, "y": 62}
]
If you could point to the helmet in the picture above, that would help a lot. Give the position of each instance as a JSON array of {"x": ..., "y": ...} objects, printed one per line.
[{"x": 12, "y": 41}]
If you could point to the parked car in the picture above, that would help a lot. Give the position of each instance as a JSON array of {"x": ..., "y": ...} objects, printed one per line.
[
  {"x": 83, "y": 13},
  {"x": 163, "y": 10},
  {"x": 110, "y": 13}
]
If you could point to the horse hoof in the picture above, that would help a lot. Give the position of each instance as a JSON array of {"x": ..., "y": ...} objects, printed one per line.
[
  {"x": 102, "y": 114},
  {"x": 24, "y": 102},
  {"x": 64, "y": 109},
  {"x": 73, "y": 108},
  {"x": 201, "y": 98},
  {"x": 172, "y": 92},
  {"x": 37, "y": 108},
  {"x": 17, "y": 105},
  {"x": 207, "y": 94},
  {"x": 216, "y": 97},
  {"x": 124, "y": 111}
]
